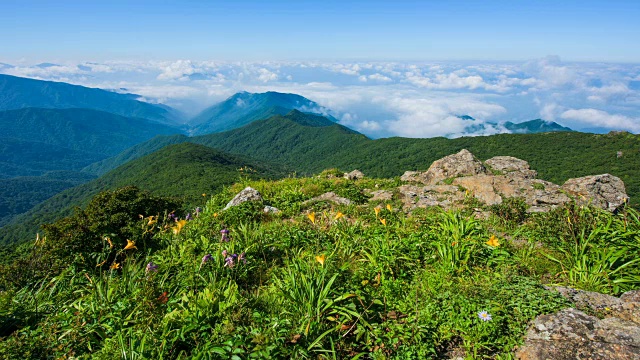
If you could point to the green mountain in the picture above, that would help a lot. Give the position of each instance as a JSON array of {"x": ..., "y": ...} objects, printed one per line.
[
  {"x": 244, "y": 108},
  {"x": 18, "y": 93},
  {"x": 286, "y": 136},
  {"x": 185, "y": 171},
  {"x": 19, "y": 194},
  {"x": 75, "y": 130},
  {"x": 534, "y": 126},
  {"x": 291, "y": 141}
]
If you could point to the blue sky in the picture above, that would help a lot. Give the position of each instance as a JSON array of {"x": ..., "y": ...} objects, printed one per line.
[{"x": 324, "y": 30}]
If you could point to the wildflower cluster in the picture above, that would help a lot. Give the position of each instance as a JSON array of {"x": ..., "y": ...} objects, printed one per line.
[
  {"x": 231, "y": 260},
  {"x": 224, "y": 235}
]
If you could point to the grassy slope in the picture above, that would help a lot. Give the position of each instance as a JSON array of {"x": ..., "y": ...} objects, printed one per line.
[
  {"x": 183, "y": 170},
  {"x": 411, "y": 288}
]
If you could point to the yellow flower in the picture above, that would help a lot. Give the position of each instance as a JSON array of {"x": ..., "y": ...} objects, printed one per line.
[
  {"x": 130, "y": 245},
  {"x": 151, "y": 221},
  {"x": 179, "y": 225},
  {"x": 493, "y": 241},
  {"x": 389, "y": 207},
  {"x": 377, "y": 210},
  {"x": 320, "y": 259},
  {"x": 338, "y": 215},
  {"x": 312, "y": 217},
  {"x": 384, "y": 222},
  {"x": 107, "y": 239},
  {"x": 215, "y": 214},
  {"x": 203, "y": 195},
  {"x": 115, "y": 266}
]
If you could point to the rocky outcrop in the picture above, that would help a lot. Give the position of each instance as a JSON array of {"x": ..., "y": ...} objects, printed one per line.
[
  {"x": 509, "y": 177},
  {"x": 354, "y": 175},
  {"x": 626, "y": 307},
  {"x": 461, "y": 164},
  {"x": 572, "y": 334},
  {"x": 248, "y": 194},
  {"x": 604, "y": 191}
]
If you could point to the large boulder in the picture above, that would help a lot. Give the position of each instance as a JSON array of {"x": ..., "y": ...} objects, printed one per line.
[
  {"x": 461, "y": 164},
  {"x": 572, "y": 334},
  {"x": 511, "y": 166},
  {"x": 248, "y": 194},
  {"x": 604, "y": 191}
]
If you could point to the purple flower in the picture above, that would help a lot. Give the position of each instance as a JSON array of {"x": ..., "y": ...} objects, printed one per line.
[
  {"x": 172, "y": 216},
  {"x": 206, "y": 258},
  {"x": 198, "y": 211},
  {"x": 188, "y": 217},
  {"x": 151, "y": 267},
  {"x": 242, "y": 258},
  {"x": 224, "y": 231},
  {"x": 229, "y": 261},
  {"x": 224, "y": 253},
  {"x": 225, "y": 238}
]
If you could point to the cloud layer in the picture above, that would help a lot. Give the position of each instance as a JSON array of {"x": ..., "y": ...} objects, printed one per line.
[{"x": 386, "y": 98}]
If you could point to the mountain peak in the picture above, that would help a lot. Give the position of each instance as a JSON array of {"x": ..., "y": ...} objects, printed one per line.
[{"x": 244, "y": 107}]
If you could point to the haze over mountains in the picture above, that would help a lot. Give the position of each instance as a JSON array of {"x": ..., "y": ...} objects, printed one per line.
[{"x": 57, "y": 136}]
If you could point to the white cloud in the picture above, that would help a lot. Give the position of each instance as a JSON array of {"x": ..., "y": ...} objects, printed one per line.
[
  {"x": 601, "y": 118},
  {"x": 265, "y": 75},
  {"x": 383, "y": 98}
]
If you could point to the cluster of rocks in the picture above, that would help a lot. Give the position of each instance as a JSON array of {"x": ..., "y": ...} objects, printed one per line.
[
  {"x": 449, "y": 180},
  {"x": 573, "y": 334}
]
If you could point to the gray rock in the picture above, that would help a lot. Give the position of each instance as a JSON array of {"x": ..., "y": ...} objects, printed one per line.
[
  {"x": 330, "y": 196},
  {"x": 248, "y": 194},
  {"x": 507, "y": 164},
  {"x": 627, "y": 307},
  {"x": 381, "y": 195},
  {"x": 354, "y": 175},
  {"x": 461, "y": 164},
  {"x": 604, "y": 191},
  {"x": 411, "y": 176},
  {"x": 572, "y": 334},
  {"x": 271, "y": 210}
]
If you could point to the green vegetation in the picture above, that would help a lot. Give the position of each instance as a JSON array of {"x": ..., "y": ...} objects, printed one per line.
[
  {"x": 124, "y": 278},
  {"x": 76, "y": 137},
  {"x": 288, "y": 140},
  {"x": 184, "y": 171},
  {"x": 18, "y": 195}
]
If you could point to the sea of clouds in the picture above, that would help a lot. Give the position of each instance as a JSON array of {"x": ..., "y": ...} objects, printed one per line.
[{"x": 381, "y": 99}]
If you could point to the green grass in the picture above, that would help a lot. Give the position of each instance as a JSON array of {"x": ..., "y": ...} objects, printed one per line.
[{"x": 351, "y": 286}]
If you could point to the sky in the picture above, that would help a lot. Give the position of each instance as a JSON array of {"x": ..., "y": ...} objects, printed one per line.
[
  {"x": 392, "y": 68},
  {"x": 584, "y": 30}
]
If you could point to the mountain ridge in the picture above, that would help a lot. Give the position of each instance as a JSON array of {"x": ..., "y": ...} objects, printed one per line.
[{"x": 19, "y": 92}]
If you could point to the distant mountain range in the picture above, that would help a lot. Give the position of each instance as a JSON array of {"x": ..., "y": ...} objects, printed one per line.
[
  {"x": 19, "y": 93},
  {"x": 526, "y": 127},
  {"x": 244, "y": 108}
]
